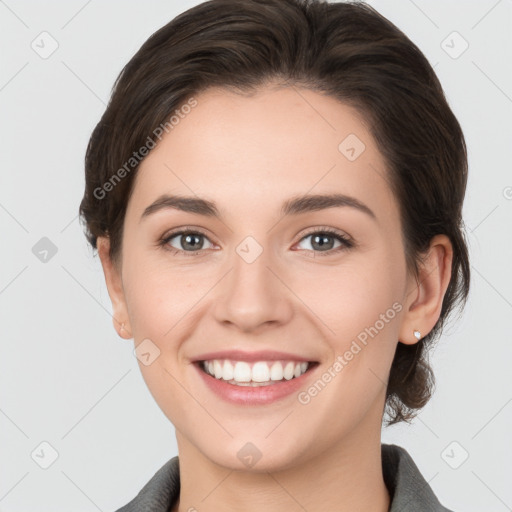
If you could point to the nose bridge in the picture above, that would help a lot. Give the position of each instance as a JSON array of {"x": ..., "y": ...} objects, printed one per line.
[{"x": 252, "y": 294}]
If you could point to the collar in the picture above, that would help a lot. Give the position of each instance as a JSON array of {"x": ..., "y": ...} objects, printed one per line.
[{"x": 408, "y": 489}]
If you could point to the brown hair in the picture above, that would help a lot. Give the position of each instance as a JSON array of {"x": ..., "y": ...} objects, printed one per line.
[{"x": 345, "y": 50}]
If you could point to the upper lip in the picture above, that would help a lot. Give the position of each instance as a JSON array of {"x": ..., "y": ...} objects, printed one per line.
[{"x": 261, "y": 355}]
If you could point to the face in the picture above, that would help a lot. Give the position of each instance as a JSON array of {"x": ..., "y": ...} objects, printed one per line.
[{"x": 327, "y": 285}]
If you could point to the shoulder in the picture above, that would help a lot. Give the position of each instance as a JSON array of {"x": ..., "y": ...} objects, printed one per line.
[
  {"x": 160, "y": 493},
  {"x": 409, "y": 491}
]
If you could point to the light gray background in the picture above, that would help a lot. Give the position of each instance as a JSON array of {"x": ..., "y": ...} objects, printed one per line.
[{"x": 65, "y": 376}]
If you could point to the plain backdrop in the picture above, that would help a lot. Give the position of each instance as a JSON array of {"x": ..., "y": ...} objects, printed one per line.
[{"x": 72, "y": 396}]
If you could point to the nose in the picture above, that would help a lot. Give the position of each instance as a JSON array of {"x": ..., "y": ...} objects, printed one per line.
[{"x": 253, "y": 296}]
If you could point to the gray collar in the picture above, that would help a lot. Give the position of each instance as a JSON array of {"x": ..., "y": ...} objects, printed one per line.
[{"x": 408, "y": 489}]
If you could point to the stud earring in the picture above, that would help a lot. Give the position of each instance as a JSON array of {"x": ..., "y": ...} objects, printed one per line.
[{"x": 417, "y": 334}]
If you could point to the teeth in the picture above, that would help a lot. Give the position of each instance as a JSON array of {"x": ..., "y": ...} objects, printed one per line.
[
  {"x": 259, "y": 373},
  {"x": 289, "y": 371},
  {"x": 242, "y": 372},
  {"x": 276, "y": 371},
  {"x": 217, "y": 369},
  {"x": 228, "y": 370}
]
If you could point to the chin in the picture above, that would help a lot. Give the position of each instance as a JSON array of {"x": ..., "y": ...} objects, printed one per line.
[{"x": 256, "y": 455}]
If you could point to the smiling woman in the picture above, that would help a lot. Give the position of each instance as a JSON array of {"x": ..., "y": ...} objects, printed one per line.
[{"x": 285, "y": 255}]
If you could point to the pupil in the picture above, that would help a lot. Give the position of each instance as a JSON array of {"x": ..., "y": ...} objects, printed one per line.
[
  {"x": 321, "y": 241},
  {"x": 188, "y": 239}
]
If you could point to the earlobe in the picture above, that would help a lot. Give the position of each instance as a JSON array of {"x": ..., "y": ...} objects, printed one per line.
[
  {"x": 424, "y": 300},
  {"x": 114, "y": 283}
]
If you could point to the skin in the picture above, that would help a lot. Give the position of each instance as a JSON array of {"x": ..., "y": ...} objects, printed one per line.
[{"x": 249, "y": 154}]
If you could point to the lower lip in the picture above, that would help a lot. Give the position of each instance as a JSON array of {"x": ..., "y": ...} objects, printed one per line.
[{"x": 258, "y": 395}]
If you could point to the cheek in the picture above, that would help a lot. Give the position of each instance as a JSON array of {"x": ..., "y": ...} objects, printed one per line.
[
  {"x": 161, "y": 308},
  {"x": 349, "y": 298},
  {"x": 359, "y": 308},
  {"x": 360, "y": 313},
  {"x": 165, "y": 301},
  {"x": 158, "y": 292}
]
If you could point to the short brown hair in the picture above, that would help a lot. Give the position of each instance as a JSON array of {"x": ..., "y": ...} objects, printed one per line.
[{"x": 345, "y": 50}]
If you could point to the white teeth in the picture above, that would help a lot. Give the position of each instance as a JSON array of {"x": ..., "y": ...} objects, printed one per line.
[
  {"x": 276, "y": 372},
  {"x": 260, "y": 372},
  {"x": 228, "y": 371},
  {"x": 289, "y": 371},
  {"x": 243, "y": 373},
  {"x": 217, "y": 367}
]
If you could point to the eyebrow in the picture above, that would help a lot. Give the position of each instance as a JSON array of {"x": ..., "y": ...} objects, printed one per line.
[{"x": 293, "y": 206}]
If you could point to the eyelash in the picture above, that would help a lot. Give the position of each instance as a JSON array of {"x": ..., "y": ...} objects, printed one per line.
[{"x": 346, "y": 242}]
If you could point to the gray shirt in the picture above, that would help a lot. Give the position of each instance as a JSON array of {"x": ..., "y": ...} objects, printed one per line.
[{"x": 408, "y": 489}]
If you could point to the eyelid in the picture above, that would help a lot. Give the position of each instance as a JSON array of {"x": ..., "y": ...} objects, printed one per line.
[
  {"x": 326, "y": 229},
  {"x": 184, "y": 229}
]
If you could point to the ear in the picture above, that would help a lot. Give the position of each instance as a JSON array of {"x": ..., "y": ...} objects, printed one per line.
[
  {"x": 114, "y": 283},
  {"x": 425, "y": 293}
]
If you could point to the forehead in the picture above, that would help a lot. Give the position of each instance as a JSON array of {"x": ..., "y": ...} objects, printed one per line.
[{"x": 247, "y": 151}]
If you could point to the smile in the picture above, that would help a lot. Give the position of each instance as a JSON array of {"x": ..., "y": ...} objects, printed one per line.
[
  {"x": 253, "y": 383},
  {"x": 259, "y": 373}
]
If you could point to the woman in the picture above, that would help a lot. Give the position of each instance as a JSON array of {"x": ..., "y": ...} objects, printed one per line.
[{"x": 275, "y": 193}]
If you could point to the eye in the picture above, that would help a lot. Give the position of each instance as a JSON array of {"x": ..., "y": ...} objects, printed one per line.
[
  {"x": 323, "y": 241},
  {"x": 191, "y": 242},
  {"x": 185, "y": 241}
]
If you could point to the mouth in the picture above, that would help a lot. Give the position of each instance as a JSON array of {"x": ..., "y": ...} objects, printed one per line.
[
  {"x": 254, "y": 378},
  {"x": 255, "y": 373}
]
